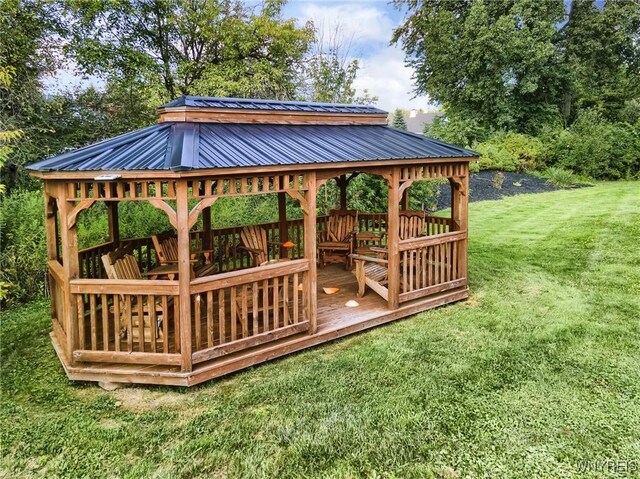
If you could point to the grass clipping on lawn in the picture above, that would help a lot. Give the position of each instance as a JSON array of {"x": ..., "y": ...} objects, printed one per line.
[{"x": 536, "y": 374}]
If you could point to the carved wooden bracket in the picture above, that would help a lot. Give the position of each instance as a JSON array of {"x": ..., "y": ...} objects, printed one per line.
[
  {"x": 298, "y": 195},
  {"x": 73, "y": 214},
  {"x": 459, "y": 183},
  {"x": 164, "y": 206},
  {"x": 195, "y": 212},
  {"x": 403, "y": 187}
]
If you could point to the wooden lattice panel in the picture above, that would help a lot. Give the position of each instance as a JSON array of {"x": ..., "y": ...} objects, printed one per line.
[
  {"x": 122, "y": 190},
  {"x": 424, "y": 172},
  {"x": 246, "y": 185}
]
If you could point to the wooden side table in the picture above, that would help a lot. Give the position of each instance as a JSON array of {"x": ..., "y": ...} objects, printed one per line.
[{"x": 367, "y": 239}]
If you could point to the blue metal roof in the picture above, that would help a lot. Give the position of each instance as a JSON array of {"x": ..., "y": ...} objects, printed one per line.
[
  {"x": 186, "y": 146},
  {"x": 271, "y": 105}
]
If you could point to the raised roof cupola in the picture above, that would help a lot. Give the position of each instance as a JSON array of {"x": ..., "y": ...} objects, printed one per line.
[{"x": 241, "y": 110}]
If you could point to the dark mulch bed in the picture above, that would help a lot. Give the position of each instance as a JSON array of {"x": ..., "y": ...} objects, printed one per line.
[{"x": 482, "y": 188}]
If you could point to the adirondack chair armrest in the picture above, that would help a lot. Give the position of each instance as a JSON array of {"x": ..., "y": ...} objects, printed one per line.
[
  {"x": 369, "y": 259},
  {"x": 251, "y": 250}
]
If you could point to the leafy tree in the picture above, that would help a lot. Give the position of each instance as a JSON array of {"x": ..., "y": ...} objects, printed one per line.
[
  {"x": 330, "y": 71},
  {"x": 397, "y": 120},
  {"x": 521, "y": 65},
  {"x": 212, "y": 47},
  {"x": 601, "y": 44}
]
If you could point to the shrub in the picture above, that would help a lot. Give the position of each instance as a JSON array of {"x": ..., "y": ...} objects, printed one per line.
[
  {"x": 23, "y": 256},
  {"x": 497, "y": 180},
  {"x": 596, "y": 148},
  {"x": 560, "y": 177},
  {"x": 510, "y": 152}
]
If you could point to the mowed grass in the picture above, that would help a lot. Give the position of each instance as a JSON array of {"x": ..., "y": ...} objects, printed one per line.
[{"x": 536, "y": 373}]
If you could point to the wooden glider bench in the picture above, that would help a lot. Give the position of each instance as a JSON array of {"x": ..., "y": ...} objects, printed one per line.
[{"x": 372, "y": 272}]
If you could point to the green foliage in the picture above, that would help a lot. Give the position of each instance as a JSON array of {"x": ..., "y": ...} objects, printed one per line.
[
  {"x": 523, "y": 65},
  {"x": 596, "y": 148},
  {"x": 535, "y": 373},
  {"x": 456, "y": 130},
  {"x": 510, "y": 152},
  {"x": 23, "y": 258},
  {"x": 213, "y": 47},
  {"x": 560, "y": 177},
  {"x": 397, "y": 120}
]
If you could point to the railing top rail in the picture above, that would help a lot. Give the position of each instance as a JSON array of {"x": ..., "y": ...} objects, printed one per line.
[
  {"x": 98, "y": 246},
  {"x": 250, "y": 275},
  {"x": 424, "y": 241},
  {"x": 125, "y": 286}
]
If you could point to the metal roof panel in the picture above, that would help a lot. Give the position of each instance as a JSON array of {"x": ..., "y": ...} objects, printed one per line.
[{"x": 184, "y": 146}]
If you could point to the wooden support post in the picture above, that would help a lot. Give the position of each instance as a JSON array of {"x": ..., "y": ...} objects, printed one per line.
[
  {"x": 283, "y": 231},
  {"x": 51, "y": 214},
  {"x": 71, "y": 267},
  {"x": 455, "y": 206},
  {"x": 206, "y": 229},
  {"x": 184, "y": 273},
  {"x": 114, "y": 224},
  {"x": 342, "y": 183},
  {"x": 464, "y": 224},
  {"x": 393, "y": 238},
  {"x": 310, "y": 287}
]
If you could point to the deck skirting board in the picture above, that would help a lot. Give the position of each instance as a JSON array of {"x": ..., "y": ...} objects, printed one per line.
[{"x": 216, "y": 367}]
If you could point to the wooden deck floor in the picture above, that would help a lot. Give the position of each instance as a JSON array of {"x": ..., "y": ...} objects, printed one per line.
[{"x": 335, "y": 320}]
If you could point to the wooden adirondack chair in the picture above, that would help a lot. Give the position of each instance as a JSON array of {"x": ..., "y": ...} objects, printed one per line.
[
  {"x": 166, "y": 246},
  {"x": 336, "y": 244},
  {"x": 412, "y": 224},
  {"x": 121, "y": 264},
  {"x": 254, "y": 240}
]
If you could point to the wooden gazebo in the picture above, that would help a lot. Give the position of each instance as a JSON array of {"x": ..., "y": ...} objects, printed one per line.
[{"x": 183, "y": 328}]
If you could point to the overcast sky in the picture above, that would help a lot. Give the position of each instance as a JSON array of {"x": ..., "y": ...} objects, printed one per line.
[{"x": 370, "y": 24}]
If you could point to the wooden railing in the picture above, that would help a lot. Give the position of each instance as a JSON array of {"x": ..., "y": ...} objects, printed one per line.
[
  {"x": 127, "y": 321},
  {"x": 90, "y": 260},
  {"x": 241, "y": 309},
  {"x": 227, "y": 253},
  {"x": 430, "y": 265}
]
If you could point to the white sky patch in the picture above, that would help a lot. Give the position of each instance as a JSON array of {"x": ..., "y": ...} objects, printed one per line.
[
  {"x": 368, "y": 25},
  {"x": 365, "y": 24},
  {"x": 386, "y": 76}
]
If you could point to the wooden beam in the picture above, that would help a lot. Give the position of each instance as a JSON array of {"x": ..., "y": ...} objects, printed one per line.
[
  {"x": 379, "y": 167},
  {"x": 184, "y": 272},
  {"x": 304, "y": 202},
  {"x": 72, "y": 216},
  {"x": 342, "y": 184},
  {"x": 195, "y": 212},
  {"x": 228, "y": 115},
  {"x": 207, "y": 244},
  {"x": 393, "y": 238},
  {"x": 164, "y": 206},
  {"x": 310, "y": 286},
  {"x": 114, "y": 223}
]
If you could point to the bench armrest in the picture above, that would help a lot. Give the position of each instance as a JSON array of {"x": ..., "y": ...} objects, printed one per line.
[{"x": 368, "y": 259}]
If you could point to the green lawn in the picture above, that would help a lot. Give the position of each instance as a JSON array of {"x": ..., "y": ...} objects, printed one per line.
[{"x": 538, "y": 371}]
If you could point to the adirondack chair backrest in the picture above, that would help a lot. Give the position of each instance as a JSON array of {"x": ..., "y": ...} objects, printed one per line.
[
  {"x": 166, "y": 246},
  {"x": 121, "y": 264},
  {"x": 412, "y": 224},
  {"x": 254, "y": 238},
  {"x": 341, "y": 224}
]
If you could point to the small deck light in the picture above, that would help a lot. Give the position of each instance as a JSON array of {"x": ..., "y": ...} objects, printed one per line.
[{"x": 110, "y": 177}]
